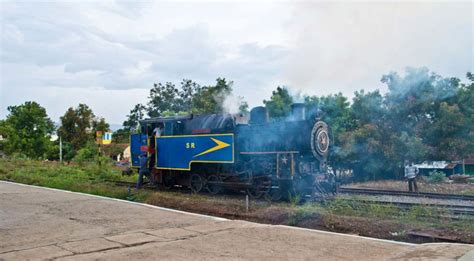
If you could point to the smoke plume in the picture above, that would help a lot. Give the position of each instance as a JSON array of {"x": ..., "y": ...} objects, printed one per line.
[{"x": 349, "y": 46}]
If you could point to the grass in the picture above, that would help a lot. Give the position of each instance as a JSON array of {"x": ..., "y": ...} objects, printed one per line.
[
  {"x": 371, "y": 215},
  {"x": 305, "y": 212},
  {"x": 88, "y": 178},
  {"x": 417, "y": 215}
]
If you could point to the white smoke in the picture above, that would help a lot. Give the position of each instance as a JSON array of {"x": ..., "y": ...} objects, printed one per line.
[
  {"x": 296, "y": 94},
  {"x": 345, "y": 46},
  {"x": 232, "y": 103}
]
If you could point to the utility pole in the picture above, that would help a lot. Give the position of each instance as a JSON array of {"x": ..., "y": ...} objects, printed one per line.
[
  {"x": 60, "y": 150},
  {"x": 98, "y": 140},
  {"x": 463, "y": 167}
]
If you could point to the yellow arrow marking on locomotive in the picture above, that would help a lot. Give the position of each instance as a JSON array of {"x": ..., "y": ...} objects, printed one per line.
[{"x": 220, "y": 145}]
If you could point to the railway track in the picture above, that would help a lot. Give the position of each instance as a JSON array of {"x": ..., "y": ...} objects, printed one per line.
[
  {"x": 404, "y": 193},
  {"x": 455, "y": 210}
]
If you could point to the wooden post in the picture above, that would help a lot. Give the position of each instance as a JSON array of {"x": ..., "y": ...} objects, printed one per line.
[
  {"x": 247, "y": 202},
  {"x": 60, "y": 150}
]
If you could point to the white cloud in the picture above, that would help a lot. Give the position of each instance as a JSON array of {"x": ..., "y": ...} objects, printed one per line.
[{"x": 108, "y": 54}]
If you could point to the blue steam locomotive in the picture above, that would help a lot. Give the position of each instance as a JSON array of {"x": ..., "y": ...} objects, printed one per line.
[{"x": 216, "y": 152}]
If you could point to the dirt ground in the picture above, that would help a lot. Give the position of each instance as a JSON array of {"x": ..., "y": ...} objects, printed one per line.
[
  {"x": 448, "y": 188},
  {"x": 233, "y": 207}
]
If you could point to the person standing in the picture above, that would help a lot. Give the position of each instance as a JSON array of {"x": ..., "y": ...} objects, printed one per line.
[
  {"x": 410, "y": 174},
  {"x": 158, "y": 131},
  {"x": 143, "y": 169}
]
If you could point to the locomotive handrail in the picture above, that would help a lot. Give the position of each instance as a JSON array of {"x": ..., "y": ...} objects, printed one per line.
[{"x": 268, "y": 152}]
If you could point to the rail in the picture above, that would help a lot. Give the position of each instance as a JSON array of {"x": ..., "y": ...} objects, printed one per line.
[
  {"x": 404, "y": 193},
  {"x": 457, "y": 210}
]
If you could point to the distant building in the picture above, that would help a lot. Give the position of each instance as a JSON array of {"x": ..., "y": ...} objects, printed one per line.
[
  {"x": 113, "y": 150},
  {"x": 469, "y": 165},
  {"x": 126, "y": 153},
  {"x": 449, "y": 168}
]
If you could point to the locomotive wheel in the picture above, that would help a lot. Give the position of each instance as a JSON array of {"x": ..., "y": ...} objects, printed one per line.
[
  {"x": 168, "y": 181},
  {"x": 211, "y": 186},
  {"x": 275, "y": 194},
  {"x": 284, "y": 192},
  {"x": 260, "y": 187},
  {"x": 196, "y": 183}
]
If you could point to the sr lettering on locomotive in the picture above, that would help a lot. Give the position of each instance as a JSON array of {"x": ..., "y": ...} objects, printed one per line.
[{"x": 216, "y": 152}]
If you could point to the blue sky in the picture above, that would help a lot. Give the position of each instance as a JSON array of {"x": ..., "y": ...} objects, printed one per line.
[{"x": 108, "y": 54}]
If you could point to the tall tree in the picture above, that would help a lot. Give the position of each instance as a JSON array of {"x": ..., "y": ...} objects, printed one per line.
[
  {"x": 414, "y": 99},
  {"x": 167, "y": 99},
  {"x": 99, "y": 124},
  {"x": 243, "y": 105},
  {"x": 465, "y": 102},
  {"x": 121, "y": 136},
  {"x": 76, "y": 126},
  {"x": 184, "y": 101},
  {"x": 210, "y": 99},
  {"x": 449, "y": 136},
  {"x": 335, "y": 111},
  {"x": 27, "y": 130},
  {"x": 279, "y": 105},
  {"x": 162, "y": 98},
  {"x": 426, "y": 106},
  {"x": 137, "y": 113}
]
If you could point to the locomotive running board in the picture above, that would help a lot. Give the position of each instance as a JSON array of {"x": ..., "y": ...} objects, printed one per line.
[
  {"x": 243, "y": 185},
  {"x": 268, "y": 152}
]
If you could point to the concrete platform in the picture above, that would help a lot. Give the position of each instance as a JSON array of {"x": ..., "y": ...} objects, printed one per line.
[{"x": 38, "y": 223}]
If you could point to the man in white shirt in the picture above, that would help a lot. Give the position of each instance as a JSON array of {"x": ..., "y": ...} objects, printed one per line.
[
  {"x": 157, "y": 132},
  {"x": 410, "y": 174}
]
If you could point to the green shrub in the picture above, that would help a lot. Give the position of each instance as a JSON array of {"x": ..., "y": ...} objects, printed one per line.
[
  {"x": 382, "y": 211},
  {"x": 87, "y": 154},
  {"x": 343, "y": 207},
  {"x": 294, "y": 199},
  {"x": 18, "y": 156},
  {"x": 83, "y": 156},
  {"x": 303, "y": 213},
  {"x": 436, "y": 176}
]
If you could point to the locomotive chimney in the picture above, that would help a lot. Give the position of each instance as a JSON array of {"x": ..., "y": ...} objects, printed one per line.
[
  {"x": 258, "y": 115},
  {"x": 298, "y": 112}
]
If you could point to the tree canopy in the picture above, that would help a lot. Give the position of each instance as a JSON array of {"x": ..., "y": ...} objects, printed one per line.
[
  {"x": 79, "y": 126},
  {"x": 423, "y": 116},
  {"x": 279, "y": 105},
  {"x": 27, "y": 130},
  {"x": 166, "y": 99}
]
